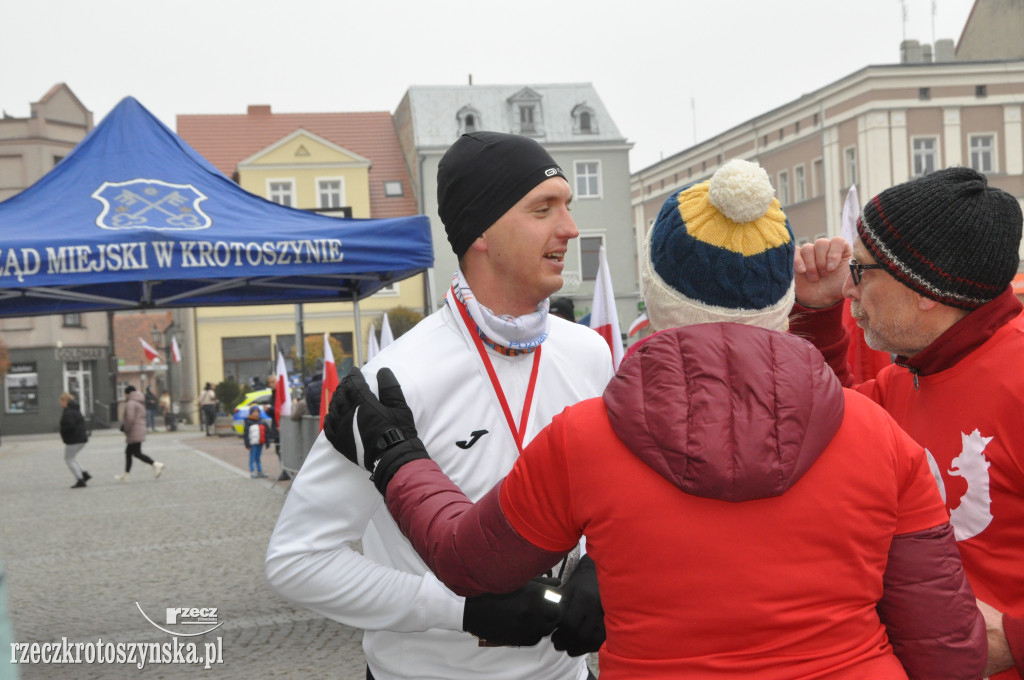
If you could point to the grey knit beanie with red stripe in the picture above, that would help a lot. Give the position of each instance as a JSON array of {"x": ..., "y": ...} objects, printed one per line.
[{"x": 947, "y": 235}]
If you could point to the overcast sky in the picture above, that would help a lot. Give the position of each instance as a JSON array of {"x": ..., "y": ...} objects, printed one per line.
[{"x": 671, "y": 72}]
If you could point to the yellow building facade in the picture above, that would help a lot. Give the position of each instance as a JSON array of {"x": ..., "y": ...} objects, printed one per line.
[{"x": 305, "y": 171}]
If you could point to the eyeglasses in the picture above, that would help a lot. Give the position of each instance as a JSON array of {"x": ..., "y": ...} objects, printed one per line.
[{"x": 856, "y": 268}]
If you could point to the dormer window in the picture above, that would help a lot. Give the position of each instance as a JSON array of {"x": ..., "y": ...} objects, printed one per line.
[
  {"x": 584, "y": 122},
  {"x": 526, "y": 122},
  {"x": 469, "y": 120},
  {"x": 526, "y": 116}
]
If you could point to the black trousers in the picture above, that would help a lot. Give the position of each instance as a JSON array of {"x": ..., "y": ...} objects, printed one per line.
[{"x": 136, "y": 451}]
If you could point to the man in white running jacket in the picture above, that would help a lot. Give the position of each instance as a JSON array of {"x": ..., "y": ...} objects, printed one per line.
[{"x": 490, "y": 366}]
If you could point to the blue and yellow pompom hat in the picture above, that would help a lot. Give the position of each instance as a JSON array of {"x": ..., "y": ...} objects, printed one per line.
[{"x": 720, "y": 250}]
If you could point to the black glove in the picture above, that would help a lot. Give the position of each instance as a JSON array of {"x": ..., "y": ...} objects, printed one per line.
[
  {"x": 387, "y": 433},
  {"x": 518, "y": 619},
  {"x": 581, "y": 624}
]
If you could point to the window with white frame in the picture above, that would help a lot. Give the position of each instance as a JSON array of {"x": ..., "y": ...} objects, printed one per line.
[
  {"x": 281, "y": 191},
  {"x": 330, "y": 192},
  {"x": 925, "y": 155},
  {"x": 590, "y": 255},
  {"x": 784, "y": 188},
  {"x": 588, "y": 179},
  {"x": 527, "y": 118},
  {"x": 818, "y": 177},
  {"x": 850, "y": 163},
  {"x": 799, "y": 184},
  {"x": 393, "y": 188},
  {"x": 983, "y": 149},
  {"x": 584, "y": 122}
]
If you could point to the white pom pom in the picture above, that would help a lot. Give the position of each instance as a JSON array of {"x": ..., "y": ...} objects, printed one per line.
[{"x": 741, "y": 191}]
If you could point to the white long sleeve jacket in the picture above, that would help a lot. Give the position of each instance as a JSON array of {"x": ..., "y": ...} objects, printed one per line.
[{"x": 413, "y": 623}]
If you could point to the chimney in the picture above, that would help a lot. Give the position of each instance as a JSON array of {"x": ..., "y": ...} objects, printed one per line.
[
  {"x": 259, "y": 109},
  {"x": 910, "y": 52},
  {"x": 945, "y": 50}
]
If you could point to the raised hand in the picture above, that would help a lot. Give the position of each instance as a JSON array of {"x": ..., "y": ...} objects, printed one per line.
[{"x": 820, "y": 270}]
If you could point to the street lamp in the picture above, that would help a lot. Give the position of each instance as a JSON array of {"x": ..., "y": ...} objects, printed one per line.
[{"x": 163, "y": 340}]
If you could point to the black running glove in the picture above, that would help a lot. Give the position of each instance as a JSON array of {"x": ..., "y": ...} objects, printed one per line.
[
  {"x": 377, "y": 434},
  {"x": 581, "y": 625},
  {"x": 518, "y": 619}
]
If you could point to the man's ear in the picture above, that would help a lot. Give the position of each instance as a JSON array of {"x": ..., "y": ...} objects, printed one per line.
[
  {"x": 925, "y": 304},
  {"x": 480, "y": 243}
]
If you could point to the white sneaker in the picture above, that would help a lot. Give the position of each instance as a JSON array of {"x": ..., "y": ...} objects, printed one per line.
[
  {"x": 122, "y": 477},
  {"x": 158, "y": 469}
]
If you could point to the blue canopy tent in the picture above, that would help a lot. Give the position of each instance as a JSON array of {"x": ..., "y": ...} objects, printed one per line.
[{"x": 134, "y": 218}]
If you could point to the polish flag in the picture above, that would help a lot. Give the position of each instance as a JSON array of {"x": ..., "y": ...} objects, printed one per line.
[
  {"x": 603, "y": 317},
  {"x": 386, "y": 337},
  {"x": 641, "y": 323},
  {"x": 372, "y": 348},
  {"x": 175, "y": 352},
  {"x": 330, "y": 380},
  {"x": 282, "y": 395},
  {"x": 151, "y": 354}
]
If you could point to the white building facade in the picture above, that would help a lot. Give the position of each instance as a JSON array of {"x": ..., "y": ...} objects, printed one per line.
[{"x": 572, "y": 124}]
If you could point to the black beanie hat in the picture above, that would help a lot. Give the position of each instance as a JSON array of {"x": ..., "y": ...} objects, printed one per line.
[
  {"x": 481, "y": 176},
  {"x": 947, "y": 235}
]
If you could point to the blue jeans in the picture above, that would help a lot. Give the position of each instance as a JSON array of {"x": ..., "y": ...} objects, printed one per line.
[
  {"x": 255, "y": 452},
  {"x": 150, "y": 419}
]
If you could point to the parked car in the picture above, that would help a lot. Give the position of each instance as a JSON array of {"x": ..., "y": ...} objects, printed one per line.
[{"x": 262, "y": 398}]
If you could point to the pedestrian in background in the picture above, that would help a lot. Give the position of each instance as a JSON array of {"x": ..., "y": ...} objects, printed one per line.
[
  {"x": 167, "y": 409},
  {"x": 254, "y": 436},
  {"x": 564, "y": 308},
  {"x": 208, "y": 409},
  {"x": 151, "y": 406},
  {"x": 74, "y": 435},
  {"x": 134, "y": 428}
]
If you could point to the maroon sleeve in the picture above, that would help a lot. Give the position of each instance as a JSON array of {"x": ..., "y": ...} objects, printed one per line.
[
  {"x": 1014, "y": 629},
  {"x": 824, "y": 329},
  {"x": 928, "y": 607},
  {"x": 470, "y": 547}
]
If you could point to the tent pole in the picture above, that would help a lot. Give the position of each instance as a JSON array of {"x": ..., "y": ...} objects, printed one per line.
[
  {"x": 300, "y": 344},
  {"x": 357, "y": 335}
]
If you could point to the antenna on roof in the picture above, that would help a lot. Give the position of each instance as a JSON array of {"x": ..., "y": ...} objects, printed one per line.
[
  {"x": 934, "y": 10},
  {"x": 471, "y": 79},
  {"x": 903, "y": 11}
]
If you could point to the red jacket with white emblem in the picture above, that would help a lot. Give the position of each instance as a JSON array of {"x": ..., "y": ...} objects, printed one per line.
[{"x": 748, "y": 518}]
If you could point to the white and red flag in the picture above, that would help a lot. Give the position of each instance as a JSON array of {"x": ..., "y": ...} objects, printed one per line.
[
  {"x": 175, "y": 351},
  {"x": 330, "y": 380},
  {"x": 386, "y": 336},
  {"x": 151, "y": 354},
  {"x": 641, "y": 323},
  {"x": 864, "y": 362},
  {"x": 282, "y": 394},
  {"x": 603, "y": 316},
  {"x": 372, "y": 346}
]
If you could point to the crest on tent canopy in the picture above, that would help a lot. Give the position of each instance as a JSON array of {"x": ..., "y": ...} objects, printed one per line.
[{"x": 151, "y": 204}]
